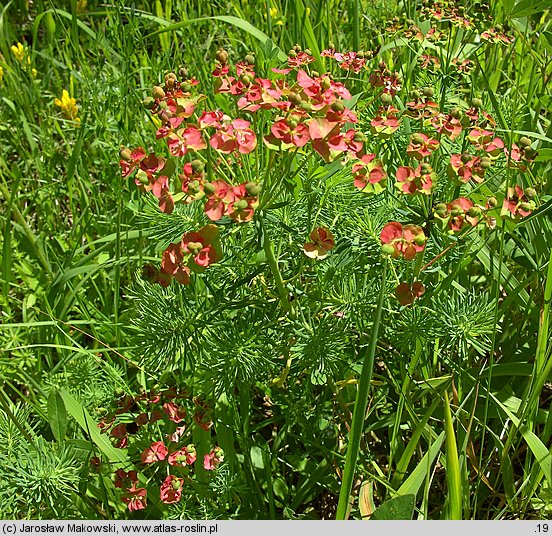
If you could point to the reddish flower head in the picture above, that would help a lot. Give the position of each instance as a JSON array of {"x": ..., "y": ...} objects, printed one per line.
[
  {"x": 130, "y": 160},
  {"x": 369, "y": 175},
  {"x": 234, "y": 136},
  {"x": 291, "y": 132},
  {"x": 447, "y": 125},
  {"x": 185, "y": 140},
  {"x": 174, "y": 411},
  {"x": 156, "y": 452},
  {"x": 518, "y": 203},
  {"x": 458, "y": 214},
  {"x": 244, "y": 202},
  {"x": 211, "y": 460},
  {"x": 124, "y": 479},
  {"x": 203, "y": 253},
  {"x": 407, "y": 240},
  {"x": 464, "y": 167},
  {"x": 415, "y": 181},
  {"x": 219, "y": 195},
  {"x": 421, "y": 146},
  {"x": 406, "y": 293},
  {"x": 171, "y": 489},
  {"x": 173, "y": 264},
  {"x": 322, "y": 242},
  {"x": 135, "y": 498},
  {"x": 184, "y": 456},
  {"x": 385, "y": 123}
]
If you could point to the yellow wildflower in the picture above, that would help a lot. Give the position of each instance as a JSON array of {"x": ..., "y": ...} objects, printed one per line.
[
  {"x": 82, "y": 5},
  {"x": 68, "y": 106},
  {"x": 1, "y": 73},
  {"x": 274, "y": 15},
  {"x": 18, "y": 51}
]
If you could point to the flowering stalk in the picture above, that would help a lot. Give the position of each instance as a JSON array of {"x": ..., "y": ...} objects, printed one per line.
[
  {"x": 359, "y": 412},
  {"x": 273, "y": 265}
]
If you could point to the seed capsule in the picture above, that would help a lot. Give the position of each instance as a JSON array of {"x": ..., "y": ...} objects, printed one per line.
[
  {"x": 209, "y": 189},
  {"x": 142, "y": 176},
  {"x": 222, "y": 55},
  {"x": 158, "y": 92},
  {"x": 197, "y": 166},
  {"x": 253, "y": 189},
  {"x": 485, "y": 162},
  {"x": 325, "y": 83},
  {"x": 295, "y": 99},
  {"x": 125, "y": 154},
  {"x": 420, "y": 240},
  {"x": 387, "y": 249},
  {"x": 250, "y": 59},
  {"x": 148, "y": 102},
  {"x": 456, "y": 113}
]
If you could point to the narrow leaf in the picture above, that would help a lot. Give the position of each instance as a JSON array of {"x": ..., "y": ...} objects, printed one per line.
[
  {"x": 87, "y": 423},
  {"x": 57, "y": 415}
]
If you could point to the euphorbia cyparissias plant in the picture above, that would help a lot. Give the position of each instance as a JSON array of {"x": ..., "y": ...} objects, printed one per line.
[{"x": 212, "y": 155}]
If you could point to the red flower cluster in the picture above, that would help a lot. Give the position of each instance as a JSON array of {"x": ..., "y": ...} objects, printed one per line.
[
  {"x": 415, "y": 181},
  {"x": 369, "y": 175},
  {"x": 402, "y": 240},
  {"x": 211, "y": 460},
  {"x": 465, "y": 167},
  {"x": 519, "y": 203},
  {"x": 458, "y": 214},
  {"x": 495, "y": 35},
  {"x": 322, "y": 242},
  {"x": 130, "y": 420},
  {"x": 407, "y": 294},
  {"x": 195, "y": 252},
  {"x": 349, "y": 61}
]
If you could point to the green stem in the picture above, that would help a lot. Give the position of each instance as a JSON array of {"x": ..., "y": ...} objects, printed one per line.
[
  {"x": 273, "y": 265},
  {"x": 359, "y": 412}
]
